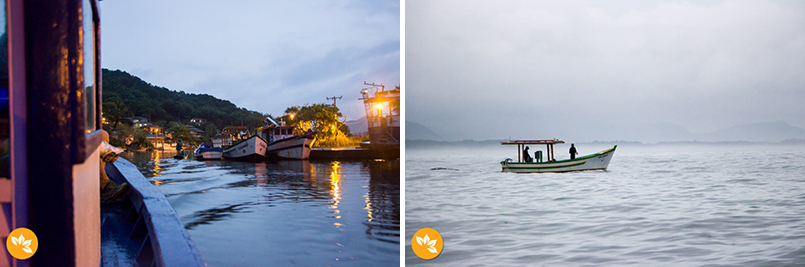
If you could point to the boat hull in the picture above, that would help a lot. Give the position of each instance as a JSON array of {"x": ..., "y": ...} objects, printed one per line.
[
  {"x": 296, "y": 147},
  {"x": 209, "y": 153},
  {"x": 597, "y": 161},
  {"x": 253, "y": 148}
]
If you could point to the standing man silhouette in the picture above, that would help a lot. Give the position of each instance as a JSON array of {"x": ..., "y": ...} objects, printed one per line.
[
  {"x": 526, "y": 156},
  {"x": 573, "y": 152}
]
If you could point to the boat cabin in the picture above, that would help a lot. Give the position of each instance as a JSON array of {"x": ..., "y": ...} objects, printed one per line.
[
  {"x": 382, "y": 114},
  {"x": 233, "y": 133},
  {"x": 521, "y": 144},
  {"x": 273, "y": 133}
]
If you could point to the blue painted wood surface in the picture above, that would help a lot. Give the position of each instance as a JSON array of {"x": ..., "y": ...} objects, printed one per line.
[{"x": 170, "y": 242}]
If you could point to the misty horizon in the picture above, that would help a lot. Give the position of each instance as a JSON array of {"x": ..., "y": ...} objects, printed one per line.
[
  {"x": 603, "y": 70},
  {"x": 769, "y": 132}
]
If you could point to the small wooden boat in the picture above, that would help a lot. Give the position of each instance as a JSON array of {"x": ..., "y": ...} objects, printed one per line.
[
  {"x": 597, "y": 161},
  {"x": 207, "y": 152},
  {"x": 250, "y": 149},
  {"x": 180, "y": 155}
]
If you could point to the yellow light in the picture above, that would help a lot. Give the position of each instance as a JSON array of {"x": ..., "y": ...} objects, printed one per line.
[{"x": 292, "y": 115}]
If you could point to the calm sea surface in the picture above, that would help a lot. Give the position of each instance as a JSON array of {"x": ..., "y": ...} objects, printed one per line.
[
  {"x": 306, "y": 213},
  {"x": 655, "y": 206}
]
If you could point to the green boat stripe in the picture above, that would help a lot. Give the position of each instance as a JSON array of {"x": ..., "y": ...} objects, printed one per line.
[{"x": 546, "y": 167}]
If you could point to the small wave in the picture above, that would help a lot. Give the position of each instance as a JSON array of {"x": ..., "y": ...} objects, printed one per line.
[{"x": 442, "y": 169}]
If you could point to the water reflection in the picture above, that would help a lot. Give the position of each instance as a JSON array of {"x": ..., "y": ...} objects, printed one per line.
[
  {"x": 335, "y": 178},
  {"x": 333, "y": 206},
  {"x": 157, "y": 161},
  {"x": 383, "y": 201}
]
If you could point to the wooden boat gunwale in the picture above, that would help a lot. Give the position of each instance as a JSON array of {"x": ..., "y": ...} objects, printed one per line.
[{"x": 162, "y": 235}]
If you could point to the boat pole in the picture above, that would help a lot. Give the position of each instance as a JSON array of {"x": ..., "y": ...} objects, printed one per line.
[{"x": 518, "y": 153}]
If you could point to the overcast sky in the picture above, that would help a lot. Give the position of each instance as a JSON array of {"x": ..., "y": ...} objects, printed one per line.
[
  {"x": 541, "y": 69},
  {"x": 261, "y": 55}
]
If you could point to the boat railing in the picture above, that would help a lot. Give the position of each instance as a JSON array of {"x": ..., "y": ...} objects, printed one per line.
[{"x": 162, "y": 237}]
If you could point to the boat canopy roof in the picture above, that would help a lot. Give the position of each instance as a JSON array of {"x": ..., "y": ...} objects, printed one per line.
[{"x": 533, "y": 142}]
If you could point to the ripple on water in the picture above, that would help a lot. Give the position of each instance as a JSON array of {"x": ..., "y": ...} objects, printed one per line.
[
  {"x": 652, "y": 208},
  {"x": 283, "y": 213}
]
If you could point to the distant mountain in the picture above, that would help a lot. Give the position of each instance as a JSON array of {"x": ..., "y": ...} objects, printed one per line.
[
  {"x": 359, "y": 125},
  {"x": 644, "y": 132},
  {"x": 667, "y": 132},
  {"x": 416, "y": 131},
  {"x": 126, "y": 95},
  {"x": 756, "y": 132}
]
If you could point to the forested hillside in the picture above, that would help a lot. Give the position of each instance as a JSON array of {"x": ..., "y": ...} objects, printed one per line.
[{"x": 125, "y": 95}]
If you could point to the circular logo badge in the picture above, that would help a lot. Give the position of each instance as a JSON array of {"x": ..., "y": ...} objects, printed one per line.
[
  {"x": 427, "y": 243},
  {"x": 22, "y": 243}
]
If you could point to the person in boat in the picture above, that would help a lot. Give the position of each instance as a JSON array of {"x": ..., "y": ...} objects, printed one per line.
[
  {"x": 179, "y": 145},
  {"x": 573, "y": 152},
  {"x": 526, "y": 156}
]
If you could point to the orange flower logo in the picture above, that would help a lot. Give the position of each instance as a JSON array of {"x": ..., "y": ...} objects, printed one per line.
[
  {"x": 427, "y": 243},
  {"x": 22, "y": 243}
]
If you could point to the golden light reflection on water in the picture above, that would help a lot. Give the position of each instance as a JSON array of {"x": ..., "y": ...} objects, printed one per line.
[
  {"x": 368, "y": 207},
  {"x": 157, "y": 161},
  {"x": 335, "y": 181},
  {"x": 312, "y": 173}
]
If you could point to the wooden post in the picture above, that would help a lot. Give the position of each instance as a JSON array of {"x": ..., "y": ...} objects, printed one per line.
[{"x": 518, "y": 153}]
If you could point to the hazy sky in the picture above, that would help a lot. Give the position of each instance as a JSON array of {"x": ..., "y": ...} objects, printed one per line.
[
  {"x": 543, "y": 69},
  {"x": 261, "y": 55}
]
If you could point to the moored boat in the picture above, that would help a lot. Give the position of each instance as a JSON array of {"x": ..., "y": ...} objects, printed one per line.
[
  {"x": 283, "y": 143},
  {"x": 250, "y": 149},
  {"x": 207, "y": 152},
  {"x": 596, "y": 161}
]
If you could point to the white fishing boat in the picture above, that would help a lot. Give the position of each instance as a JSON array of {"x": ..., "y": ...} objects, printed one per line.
[
  {"x": 250, "y": 149},
  {"x": 238, "y": 145},
  {"x": 283, "y": 143},
  {"x": 596, "y": 161}
]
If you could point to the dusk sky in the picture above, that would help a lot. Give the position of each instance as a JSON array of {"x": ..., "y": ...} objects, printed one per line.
[
  {"x": 261, "y": 55},
  {"x": 551, "y": 69}
]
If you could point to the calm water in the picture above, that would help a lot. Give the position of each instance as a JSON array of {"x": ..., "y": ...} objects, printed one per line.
[
  {"x": 656, "y": 206},
  {"x": 308, "y": 213}
]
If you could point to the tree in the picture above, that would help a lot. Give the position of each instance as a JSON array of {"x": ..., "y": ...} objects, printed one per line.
[
  {"x": 141, "y": 139},
  {"x": 179, "y": 131},
  {"x": 113, "y": 111},
  {"x": 323, "y": 119}
]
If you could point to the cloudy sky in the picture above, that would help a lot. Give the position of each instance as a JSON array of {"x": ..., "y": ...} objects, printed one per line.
[
  {"x": 261, "y": 55},
  {"x": 544, "y": 69}
]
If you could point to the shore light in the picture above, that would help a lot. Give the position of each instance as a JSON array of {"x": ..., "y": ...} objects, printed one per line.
[{"x": 379, "y": 107}]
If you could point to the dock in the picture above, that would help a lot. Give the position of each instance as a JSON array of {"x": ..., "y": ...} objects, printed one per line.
[{"x": 340, "y": 153}]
